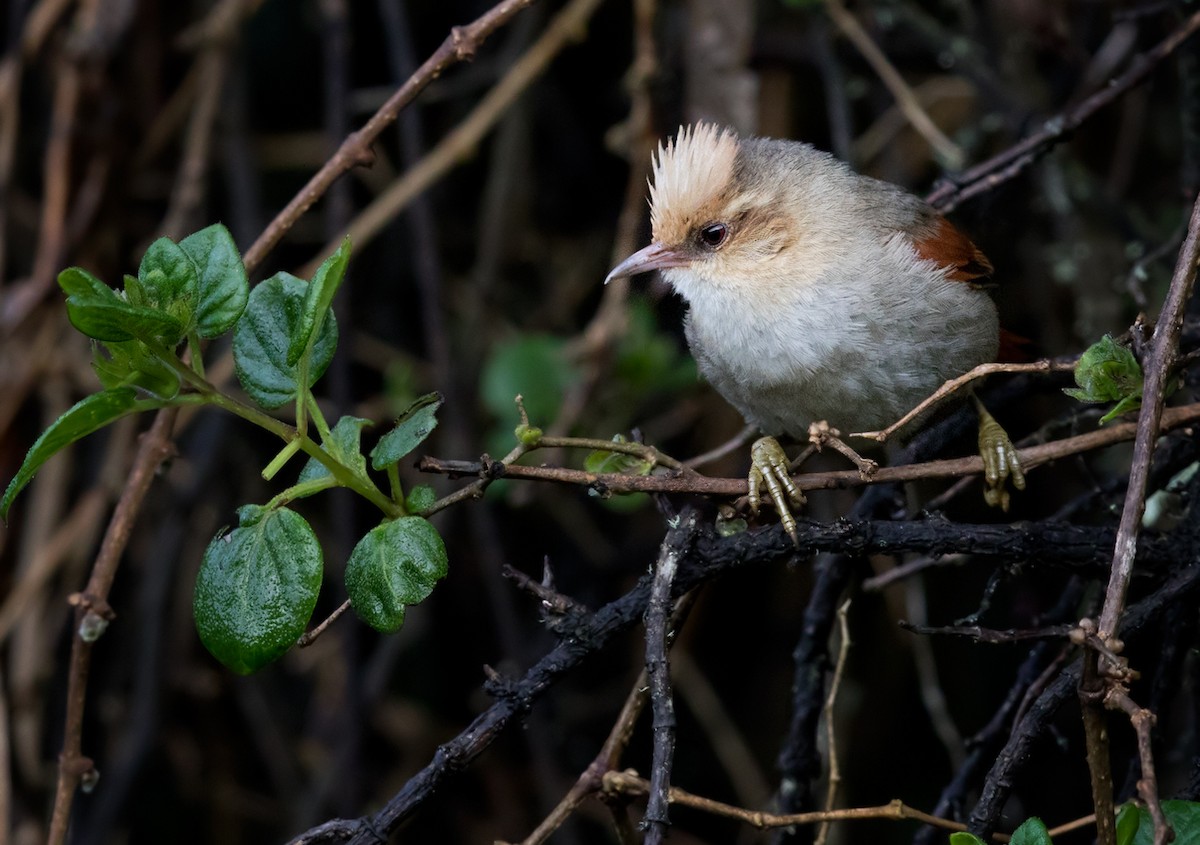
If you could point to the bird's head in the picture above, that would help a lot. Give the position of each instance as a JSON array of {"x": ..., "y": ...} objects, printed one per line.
[{"x": 717, "y": 218}]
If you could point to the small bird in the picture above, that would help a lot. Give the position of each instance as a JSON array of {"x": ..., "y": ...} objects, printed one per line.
[{"x": 815, "y": 294}]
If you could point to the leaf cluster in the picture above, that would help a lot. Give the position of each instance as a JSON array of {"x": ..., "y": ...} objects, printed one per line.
[{"x": 258, "y": 583}]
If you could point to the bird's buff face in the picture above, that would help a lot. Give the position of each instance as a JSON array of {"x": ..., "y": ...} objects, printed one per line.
[{"x": 707, "y": 228}]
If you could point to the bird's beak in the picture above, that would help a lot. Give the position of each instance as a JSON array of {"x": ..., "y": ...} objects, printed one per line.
[{"x": 653, "y": 257}]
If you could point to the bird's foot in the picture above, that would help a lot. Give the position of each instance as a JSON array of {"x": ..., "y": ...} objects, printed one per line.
[
  {"x": 769, "y": 468},
  {"x": 821, "y": 435},
  {"x": 1000, "y": 462}
]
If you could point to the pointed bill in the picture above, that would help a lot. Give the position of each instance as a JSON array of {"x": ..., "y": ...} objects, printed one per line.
[{"x": 653, "y": 257}]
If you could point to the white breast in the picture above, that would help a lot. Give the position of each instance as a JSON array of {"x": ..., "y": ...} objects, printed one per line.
[{"x": 857, "y": 350}]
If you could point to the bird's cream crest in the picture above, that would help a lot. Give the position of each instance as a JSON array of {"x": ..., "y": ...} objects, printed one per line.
[{"x": 691, "y": 174}]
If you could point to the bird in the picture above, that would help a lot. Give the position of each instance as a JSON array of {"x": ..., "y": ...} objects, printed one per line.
[{"x": 816, "y": 294}]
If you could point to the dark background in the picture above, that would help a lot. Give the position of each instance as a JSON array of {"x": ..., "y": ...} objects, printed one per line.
[{"x": 503, "y": 255}]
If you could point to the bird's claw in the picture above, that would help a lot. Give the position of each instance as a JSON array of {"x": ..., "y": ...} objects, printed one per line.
[
  {"x": 769, "y": 468},
  {"x": 1000, "y": 461}
]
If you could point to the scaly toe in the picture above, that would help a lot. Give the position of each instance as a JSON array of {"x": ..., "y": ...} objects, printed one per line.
[
  {"x": 769, "y": 468},
  {"x": 1001, "y": 463}
]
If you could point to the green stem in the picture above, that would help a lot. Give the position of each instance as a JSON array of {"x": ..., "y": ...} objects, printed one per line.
[
  {"x": 318, "y": 418},
  {"x": 393, "y": 474},
  {"x": 638, "y": 450},
  {"x": 299, "y": 491},
  {"x": 196, "y": 354},
  {"x": 345, "y": 476},
  {"x": 278, "y": 462},
  {"x": 302, "y": 394}
]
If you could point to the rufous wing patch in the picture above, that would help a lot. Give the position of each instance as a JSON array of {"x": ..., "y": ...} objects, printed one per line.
[{"x": 948, "y": 247}]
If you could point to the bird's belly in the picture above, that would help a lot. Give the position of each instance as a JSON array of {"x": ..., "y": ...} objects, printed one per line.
[{"x": 858, "y": 372}]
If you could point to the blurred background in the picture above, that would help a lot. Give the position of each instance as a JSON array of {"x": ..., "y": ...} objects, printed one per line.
[{"x": 482, "y": 232}]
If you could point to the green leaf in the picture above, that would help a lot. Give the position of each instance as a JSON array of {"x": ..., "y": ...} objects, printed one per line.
[
  {"x": 80, "y": 420},
  {"x": 419, "y": 498},
  {"x": 262, "y": 337},
  {"x": 1127, "y": 823},
  {"x": 396, "y": 564},
  {"x": 257, "y": 588},
  {"x": 318, "y": 299},
  {"x": 647, "y": 360},
  {"x": 343, "y": 445},
  {"x": 1031, "y": 832},
  {"x": 130, "y": 364},
  {"x": 535, "y": 367},
  {"x": 1184, "y": 816},
  {"x": 603, "y": 461},
  {"x": 412, "y": 427},
  {"x": 170, "y": 283},
  {"x": 112, "y": 318},
  {"x": 223, "y": 286},
  {"x": 962, "y": 837},
  {"x": 75, "y": 281},
  {"x": 1108, "y": 372}
]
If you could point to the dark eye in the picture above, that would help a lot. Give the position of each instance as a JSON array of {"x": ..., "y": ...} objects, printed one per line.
[{"x": 713, "y": 235}]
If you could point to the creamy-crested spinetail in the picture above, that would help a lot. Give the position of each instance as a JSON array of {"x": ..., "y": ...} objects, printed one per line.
[{"x": 815, "y": 293}]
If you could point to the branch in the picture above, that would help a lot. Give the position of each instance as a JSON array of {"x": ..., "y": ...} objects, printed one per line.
[
  {"x": 998, "y": 786},
  {"x": 156, "y": 442},
  {"x": 949, "y": 152},
  {"x": 712, "y": 558},
  {"x": 93, "y": 613},
  {"x": 675, "y": 546},
  {"x": 999, "y": 169},
  {"x": 460, "y": 46},
  {"x": 668, "y": 482},
  {"x": 1163, "y": 350},
  {"x": 1147, "y": 786},
  {"x": 628, "y": 783}
]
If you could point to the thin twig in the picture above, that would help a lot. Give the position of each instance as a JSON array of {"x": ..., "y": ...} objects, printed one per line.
[
  {"x": 309, "y": 637},
  {"x": 1147, "y": 785},
  {"x": 93, "y": 612},
  {"x": 839, "y": 669},
  {"x": 567, "y": 26},
  {"x": 605, "y": 483},
  {"x": 949, "y": 152},
  {"x": 628, "y": 783},
  {"x": 959, "y": 382},
  {"x": 591, "y": 781},
  {"x": 460, "y": 45},
  {"x": 995, "y": 171}
]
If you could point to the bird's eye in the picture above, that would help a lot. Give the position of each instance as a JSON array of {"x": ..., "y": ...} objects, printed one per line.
[{"x": 714, "y": 235}]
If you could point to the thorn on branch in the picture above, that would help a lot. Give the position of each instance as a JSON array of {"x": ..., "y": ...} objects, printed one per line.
[
  {"x": 498, "y": 686},
  {"x": 560, "y": 613},
  {"x": 464, "y": 44}
]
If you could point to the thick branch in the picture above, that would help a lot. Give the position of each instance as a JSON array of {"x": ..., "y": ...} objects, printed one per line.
[
  {"x": 674, "y": 548},
  {"x": 1163, "y": 349}
]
